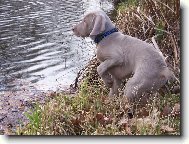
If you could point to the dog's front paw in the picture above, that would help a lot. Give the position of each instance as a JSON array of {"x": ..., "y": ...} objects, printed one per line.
[
  {"x": 107, "y": 79},
  {"x": 111, "y": 93},
  {"x": 108, "y": 82},
  {"x": 100, "y": 70}
]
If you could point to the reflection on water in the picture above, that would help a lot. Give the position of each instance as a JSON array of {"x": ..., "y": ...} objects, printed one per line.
[
  {"x": 38, "y": 50},
  {"x": 37, "y": 43},
  {"x": 36, "y": 39}
]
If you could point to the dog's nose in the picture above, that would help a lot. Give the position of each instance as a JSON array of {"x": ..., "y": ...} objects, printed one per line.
[{"x": 73, "y": 28}]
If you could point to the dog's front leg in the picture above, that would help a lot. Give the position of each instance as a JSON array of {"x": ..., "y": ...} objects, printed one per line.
[
  {"x": 107, "y": 79},
  {"x": 110, "y": 82},
  {"x": 102, "y": 69}
]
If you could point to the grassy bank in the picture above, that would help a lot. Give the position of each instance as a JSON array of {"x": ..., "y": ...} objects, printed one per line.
[{"x": 91, "y": 112}]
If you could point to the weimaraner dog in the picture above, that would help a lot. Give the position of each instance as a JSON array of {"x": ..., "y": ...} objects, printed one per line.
[{"x": 123, "y": 56}]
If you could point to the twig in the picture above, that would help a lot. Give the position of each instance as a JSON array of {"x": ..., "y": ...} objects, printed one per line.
[
  {"x": 156, "y": 46},
  {"x": 148, "y": 18},
  {"x": 174, "y": 49},
  {"x": 165, "y": 5},
  {"x": 162, "y": 30}
]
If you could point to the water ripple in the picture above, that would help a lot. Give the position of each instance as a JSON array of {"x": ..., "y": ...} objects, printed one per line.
[{"x": 37, "y": 44}]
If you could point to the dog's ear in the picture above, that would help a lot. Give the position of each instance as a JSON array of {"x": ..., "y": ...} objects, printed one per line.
[{"x": 99, "y": 25}]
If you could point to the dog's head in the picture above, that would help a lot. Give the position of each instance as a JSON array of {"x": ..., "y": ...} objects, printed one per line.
[{"x": 91, "y": 25}]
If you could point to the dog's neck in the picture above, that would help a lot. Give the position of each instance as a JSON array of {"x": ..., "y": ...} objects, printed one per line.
[
  {"x": 101, "y": 36},
  {"x": 109, "y": 27}
]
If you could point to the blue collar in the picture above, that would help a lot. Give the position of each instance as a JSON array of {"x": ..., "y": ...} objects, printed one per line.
[{"x": 99, "y": 37}]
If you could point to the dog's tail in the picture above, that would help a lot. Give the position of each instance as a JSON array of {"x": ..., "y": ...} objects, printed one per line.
[
  {"x": 156, "y": 47},
  {"x": 172, "y": 84},
  {"x": 170, "y": 76},
  {"x": 155, "y": 44}
]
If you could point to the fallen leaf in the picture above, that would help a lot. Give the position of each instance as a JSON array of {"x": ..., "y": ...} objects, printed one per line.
[
  {"x": 75, "y": 121},
  {"x": 124, "y": 123},
  {"x": 148, "y": 122},
  {"x": 52, "y": 94},
  {"x": 144, "y": 122},
  {"x": 142, "y": 113},
  {"x": 82, "y": 116},
  {"x": 176, "y": 109},
  {"x": 21, "y": 107},
  {"x": 167, "y": 129},
  {"x": 7, "y": 131},
  {"x": 128, "y": 130},
  {"x": 120, "y": 114},
  {"x": 99, "y": 116},
  {"x": 103, "y": 98},
  {"x": 107, "y": 120},
  {"x": 166, "y": 111},
  {"x": 176, "y": 89}
]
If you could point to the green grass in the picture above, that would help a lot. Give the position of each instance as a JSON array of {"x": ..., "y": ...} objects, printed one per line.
[
  {"x": 126, "y": 4},
  {"x": 90, "y": 112}
]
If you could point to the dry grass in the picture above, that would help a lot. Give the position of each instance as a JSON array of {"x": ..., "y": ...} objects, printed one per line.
[
  {"x": 154, "y": 18},
  {"x": 92, "y": 112}
]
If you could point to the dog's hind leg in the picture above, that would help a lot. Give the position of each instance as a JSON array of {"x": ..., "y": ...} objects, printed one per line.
[
  {"x": 134, "y": 87},
  {"x": 114, "y": 89}
]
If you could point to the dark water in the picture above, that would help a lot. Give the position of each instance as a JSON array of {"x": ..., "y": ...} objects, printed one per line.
[
  {"x": 38, "y": 50},
  {"x": 37, "y": 43}
]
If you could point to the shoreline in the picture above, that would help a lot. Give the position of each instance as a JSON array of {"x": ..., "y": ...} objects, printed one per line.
[
  {"x": 13, "y": 107},
  {"x": 77, "y": 109}
]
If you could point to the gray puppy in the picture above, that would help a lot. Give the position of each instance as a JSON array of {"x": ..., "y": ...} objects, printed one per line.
[{"x": 123, "y": 56}]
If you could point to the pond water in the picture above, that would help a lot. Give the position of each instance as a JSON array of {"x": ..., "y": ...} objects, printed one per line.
[
  {"x": 38, "y": 50},
  {"x": 37, "y": 43}
]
